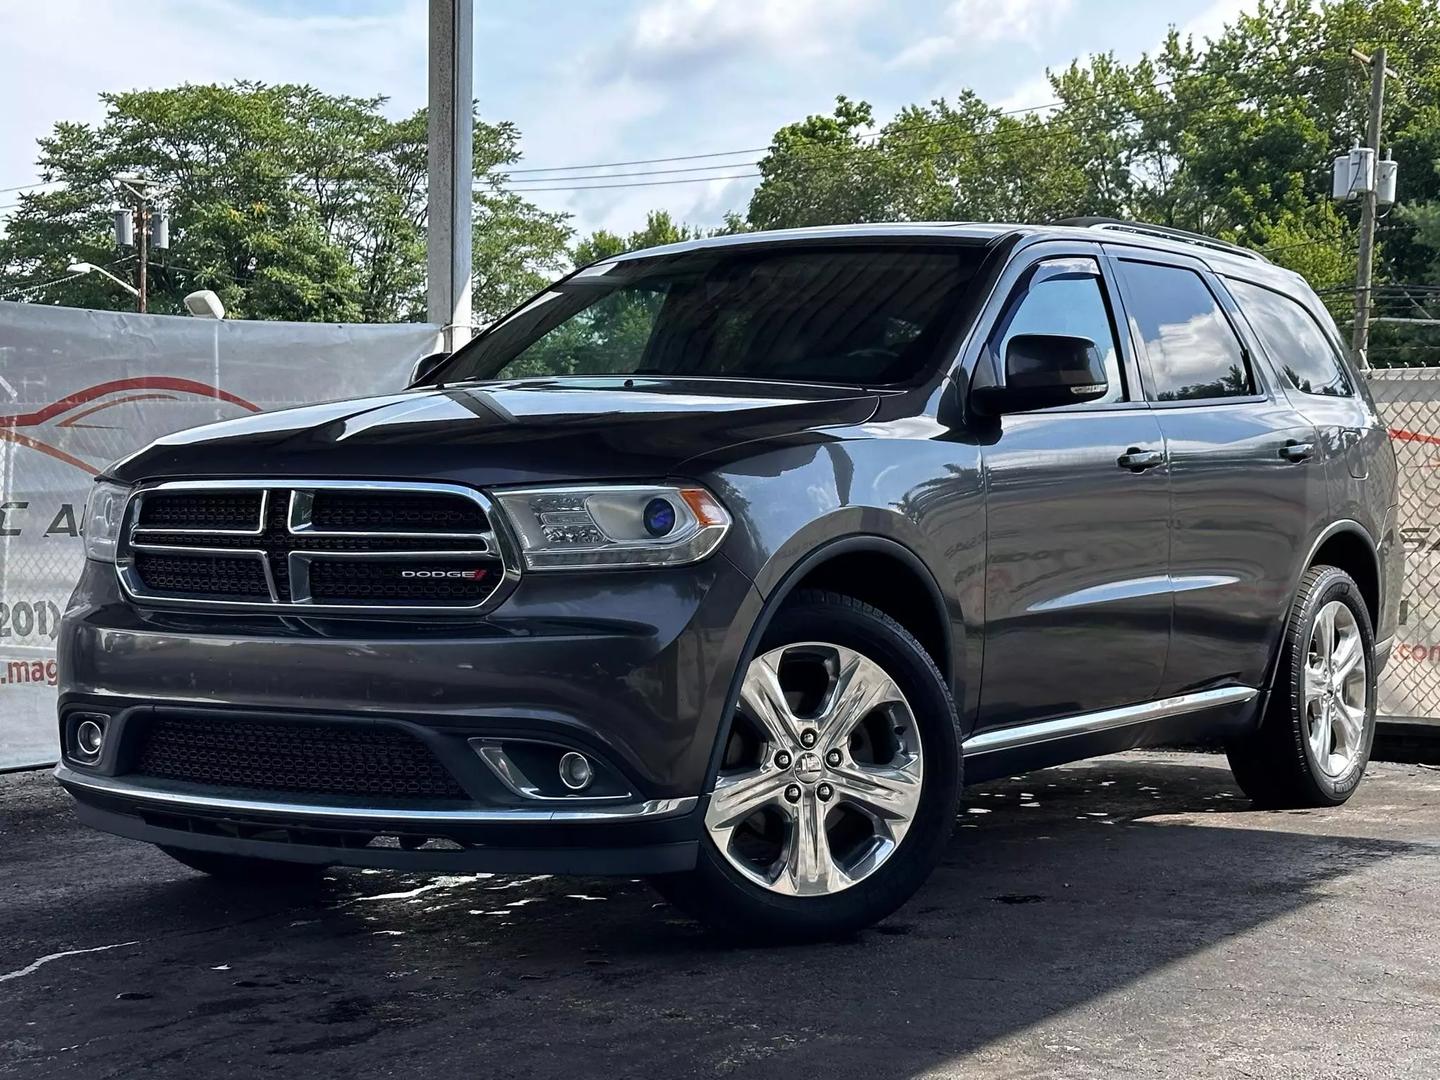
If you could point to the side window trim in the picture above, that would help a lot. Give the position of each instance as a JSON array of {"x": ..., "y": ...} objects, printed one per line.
[
  {"x": 1007, "y": 293},
  {"x": 1222, "y": 300}
]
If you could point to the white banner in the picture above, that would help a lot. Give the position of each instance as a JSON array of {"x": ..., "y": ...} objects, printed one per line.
[{"x": 79, "y": 389}]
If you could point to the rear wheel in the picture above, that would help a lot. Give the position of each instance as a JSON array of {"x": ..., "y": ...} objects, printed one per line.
[
  {"x": 839, "y": 782},
  {"x": 1314, "y": 741},
  {"x": 244, "y": 868}
]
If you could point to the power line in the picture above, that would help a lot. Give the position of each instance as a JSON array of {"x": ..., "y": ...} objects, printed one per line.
[
  {"x": 25, "y": 290},
  {"x": 907, "y": 140},
  {"x": 37, "y": 184},
  {"x": 648, "y": 183},
  {"x": 643, "y": 161},
  {"x": 643, "y": 172}
]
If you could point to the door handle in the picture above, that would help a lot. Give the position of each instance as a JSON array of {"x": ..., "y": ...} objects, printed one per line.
[
  {"x": 1137, "y": 460},
  {"x": 1296, "y": 451}
]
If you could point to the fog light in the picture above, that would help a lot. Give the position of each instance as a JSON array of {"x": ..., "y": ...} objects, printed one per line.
[
  {"x": 89, "y": 740},
  {"x": 576, "y": 772}
]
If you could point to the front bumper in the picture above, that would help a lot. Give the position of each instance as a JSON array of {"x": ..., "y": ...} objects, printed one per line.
[
  {"x": 655, "y": 836},
  {"x": 632, "y": 668}
]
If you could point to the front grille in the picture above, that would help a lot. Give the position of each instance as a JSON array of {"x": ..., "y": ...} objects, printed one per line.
[
  {"x": 368, "y": 511},
  {"x": 388, "y": 583},
  {"x": 299, "y": 758},
  {"x": 321, "y": 544},
  {"x": 203, "y": 575},
  {"x": 201, "y": 510}
]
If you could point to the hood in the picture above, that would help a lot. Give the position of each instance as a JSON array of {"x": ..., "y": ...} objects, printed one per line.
[{"x": 502, "y": 433}]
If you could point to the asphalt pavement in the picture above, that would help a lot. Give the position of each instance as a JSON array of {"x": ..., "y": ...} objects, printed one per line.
[{"x": 1126, "y": 917}]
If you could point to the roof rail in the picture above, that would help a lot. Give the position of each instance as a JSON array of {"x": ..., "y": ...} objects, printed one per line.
[{"x": 1164, "y": 232}]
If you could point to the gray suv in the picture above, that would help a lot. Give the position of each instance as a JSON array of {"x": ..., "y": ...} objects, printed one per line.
[{"x": 729, "y": 563}]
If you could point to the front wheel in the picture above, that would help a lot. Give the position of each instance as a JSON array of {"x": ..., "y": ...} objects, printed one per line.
[
  {"x": 1314, "y": 740},
  {"x": 839, "y": 781}
]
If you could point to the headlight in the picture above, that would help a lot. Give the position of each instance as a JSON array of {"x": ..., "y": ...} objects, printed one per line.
[
  {"x": 572, "y": 528},
  {"x": 103, "y": 511}
]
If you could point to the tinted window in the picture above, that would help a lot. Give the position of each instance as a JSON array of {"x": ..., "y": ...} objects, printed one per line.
[
  {"x": 868, "y": 316},
  {"x": 1193, "y": 351},
  {"x": 1064, "y": 296},
  {"x": 1294, "y": 340}
]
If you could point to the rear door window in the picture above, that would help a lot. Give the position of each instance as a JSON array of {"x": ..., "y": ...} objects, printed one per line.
[
  {"x": 1192, "y": 348},
  {"x": 1297, "y": 346}
]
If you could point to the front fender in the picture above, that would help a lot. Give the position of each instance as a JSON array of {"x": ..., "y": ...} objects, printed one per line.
[{"x": 906, "y": 484}]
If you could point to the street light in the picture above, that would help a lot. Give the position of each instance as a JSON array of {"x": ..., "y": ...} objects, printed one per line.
[
  {"x": 91, "y": 268},
  {"x": 204, "y": 304}
]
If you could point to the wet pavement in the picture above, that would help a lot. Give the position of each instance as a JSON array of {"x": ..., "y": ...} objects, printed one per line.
[{"x": 1130, "y": 916}]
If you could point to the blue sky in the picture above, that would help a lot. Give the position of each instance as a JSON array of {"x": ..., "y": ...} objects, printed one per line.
[{"x": 587, "y": 81}]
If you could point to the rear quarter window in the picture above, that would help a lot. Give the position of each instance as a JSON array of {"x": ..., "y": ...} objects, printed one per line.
[{"x": 1302, "y": 353}]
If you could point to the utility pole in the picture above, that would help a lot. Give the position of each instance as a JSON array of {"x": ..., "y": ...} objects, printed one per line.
[
  {"x": 142, "y": 245},
  {"x": 451, "y": 176},
  {"x": 1364, "y": 268},
  {"x": 141, "y": 191}
]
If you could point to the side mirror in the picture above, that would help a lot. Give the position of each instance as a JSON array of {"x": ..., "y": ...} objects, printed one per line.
[
  {"x": 1043, "y": 371},
  {"x": 426, "y": 366}
]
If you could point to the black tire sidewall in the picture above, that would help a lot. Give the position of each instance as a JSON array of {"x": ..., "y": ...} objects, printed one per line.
[
  {"x": 1331, "y": 584},
  {"x": 842, "y": 621}
]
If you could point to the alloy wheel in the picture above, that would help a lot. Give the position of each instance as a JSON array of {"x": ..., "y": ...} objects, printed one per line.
[
  {"x": 822, "y": 774},
  {"x": 1336, "y": 689}
]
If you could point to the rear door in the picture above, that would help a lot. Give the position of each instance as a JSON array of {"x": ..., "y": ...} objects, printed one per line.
[
  {"x": 1077, "y": 604},
  {"x": 1246, "y": 480},
  {"x": 1306, "y": 362}
]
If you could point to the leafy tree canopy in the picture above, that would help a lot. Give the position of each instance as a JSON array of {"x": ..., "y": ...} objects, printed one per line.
[
  {"x": 288, "y": 202},
  {"x": 1233, "y": 138}
]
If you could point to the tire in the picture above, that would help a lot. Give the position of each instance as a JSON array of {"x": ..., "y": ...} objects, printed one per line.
[
  {"x": 1280, "y": 766},
  {"x": 246, "y": 869},
  {"x": 921, "y": 726}
]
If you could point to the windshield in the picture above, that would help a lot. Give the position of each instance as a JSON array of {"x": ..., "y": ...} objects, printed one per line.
[{"x": 867, "y": 316}]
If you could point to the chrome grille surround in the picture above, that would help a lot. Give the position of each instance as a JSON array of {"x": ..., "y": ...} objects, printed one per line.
[{"x": 491, "y": 546}]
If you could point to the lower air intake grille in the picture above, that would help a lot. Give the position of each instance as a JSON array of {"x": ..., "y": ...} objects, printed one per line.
[{"x": 296, "y": 757}]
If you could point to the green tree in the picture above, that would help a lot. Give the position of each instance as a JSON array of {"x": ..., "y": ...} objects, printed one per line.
[
  {"x": 1232, "y": 137},
  {"x": 290, "y": 203},
  {"x": 660, "y": 229}
]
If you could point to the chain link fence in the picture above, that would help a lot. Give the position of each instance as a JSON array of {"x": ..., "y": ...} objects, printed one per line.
[{"x": 1409, "y": 402}]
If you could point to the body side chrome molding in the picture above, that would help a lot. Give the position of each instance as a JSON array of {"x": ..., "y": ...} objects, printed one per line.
[
  {"x": 158, "y": 798},
  {"x": 987, "y": 742}
]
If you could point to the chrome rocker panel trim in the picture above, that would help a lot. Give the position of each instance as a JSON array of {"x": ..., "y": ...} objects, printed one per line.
[
  {"x": 165, "y": 798},
  {"x": 1010, "y": 738}
]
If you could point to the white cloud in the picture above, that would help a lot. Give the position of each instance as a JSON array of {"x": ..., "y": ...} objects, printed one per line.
[
  {"x": 1213, "y": 19},
  {"x": 1029, "y": 95},
  {"x": 676, "y": 37},
  {"x": 968, "y": 23},
  {"x": 60, "y": 54}
]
